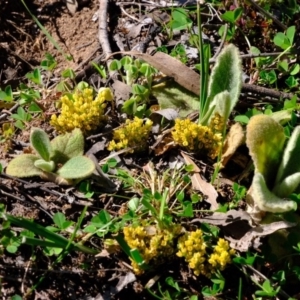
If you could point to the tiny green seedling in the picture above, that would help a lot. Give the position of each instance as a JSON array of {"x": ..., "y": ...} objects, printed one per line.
[
  {"x": 7, "y": 94},
  {"x": 231, "y": 16},
  {"x": 60, "y": 160},
  {"x": 132, "y": 70},
  {"x": 285, "y": 40}
]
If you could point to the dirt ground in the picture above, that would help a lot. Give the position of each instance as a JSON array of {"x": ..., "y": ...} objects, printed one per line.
[{"x": 23, "y": 45}]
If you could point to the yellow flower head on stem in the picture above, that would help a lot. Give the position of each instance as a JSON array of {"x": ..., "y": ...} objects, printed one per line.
[
  {"x": 133, "y": 134},
  {"x": 80, "y": 110}
]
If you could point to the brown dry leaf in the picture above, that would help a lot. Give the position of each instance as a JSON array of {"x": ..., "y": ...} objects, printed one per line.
[
  {"x": 235, "y": 222},
  {"x": 201, "y": 185},
  {"x": 238, "y": 228},
  {"x": 171, "y": 67},
  {"x": 163, "y": 143},
  {"x": 121, "y": 90},
  {"x": 252, "y": 237},
  {"x": 235, "y": 138},
  {"x": 224, "y": 219}
]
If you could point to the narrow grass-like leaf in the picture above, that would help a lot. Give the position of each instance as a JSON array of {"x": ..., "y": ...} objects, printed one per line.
[
  {"x": 58, "y": 240},
  {"x": 37, "y": 229}
]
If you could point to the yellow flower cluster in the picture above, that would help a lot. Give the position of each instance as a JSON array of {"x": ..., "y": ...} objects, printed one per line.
[
  {"x": 217, "y": 123},
  {"x": 198, "y": 138},
  {"x": 152, "y": 242},
  {"x": 80, "y": 110},
  {"x": 221, "y": 255},
  {"x": 194, "y": 249},
  {"x": 133, "y": 134}
]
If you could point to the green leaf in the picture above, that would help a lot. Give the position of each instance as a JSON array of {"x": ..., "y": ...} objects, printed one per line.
[
  {"x": 222, "y": 103},
  {"x": 282, "y": 41},
  {"x": 60, "y": 221},
  {"x": 129, "y": 106},
  {"x": 233, "y": 15},
  {"x": 242, "y": 119},
  {"x": 265, "y": 139},
  {"x": 68, "y": 73},
  {"x": 172, "y": 95},
  {"x": 115, "y": 65},
  {"x": 133, "y": 204},
  {"x": 41, "y": 143},
  {"x": 171, "y": 282},
  {"x": 266, "y": 200},
  {"x": 34, "y": 108},
  {"x": 67, "y": 145},
  {"x": 290, "y": 33},
  {"x": 295, "y": 69},
  {"x": 48, "y": 63},
  {"x": 16, "y": 297},
  {"x": 35, "y": 76},
  {"x": 282, "y": 116},
  {"x": 21, "y": 115},
  {"x": 283, "y": 66},
  {"x": 290, "y": 104},
  {"x": 290, "y": 163},
  {"x": 76, "y": 168},
  {"x": 112, "y": 162},
  {"x": 47, "y": 166},
  {"x": 226, "y": 76},
  {"x": 7, "y": 94},
  {"x": 23, "y": 166},
  {"x": 180, "y": 19},
  {"x": 291, "y": 82}
]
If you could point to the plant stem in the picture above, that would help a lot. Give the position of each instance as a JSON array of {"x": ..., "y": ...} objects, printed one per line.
[{"x": 204, "y": 65}]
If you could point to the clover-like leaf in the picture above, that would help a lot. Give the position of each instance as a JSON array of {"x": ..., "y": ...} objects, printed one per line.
[
  {"x": 226, "y": 75},
  {"x": 265, "y": 139},
  {"x": 41, "y": 143},
  {"x": 67, "y": 145},
  {"x": 266, "y": 200},
  {"x": 77, "y": 167},
  {"x": 23, "y": 166},
  {"x": 47, "y": 166}
]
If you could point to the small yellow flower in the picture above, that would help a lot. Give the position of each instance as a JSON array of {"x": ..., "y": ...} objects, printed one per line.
[
  {"x": 198, "y": 138},
  {"x": 80, "y": 110},
  {"x": 151, "y": 246},
  {"x": 193, "y": 248},
  {"x": 134, "y": 134}
]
